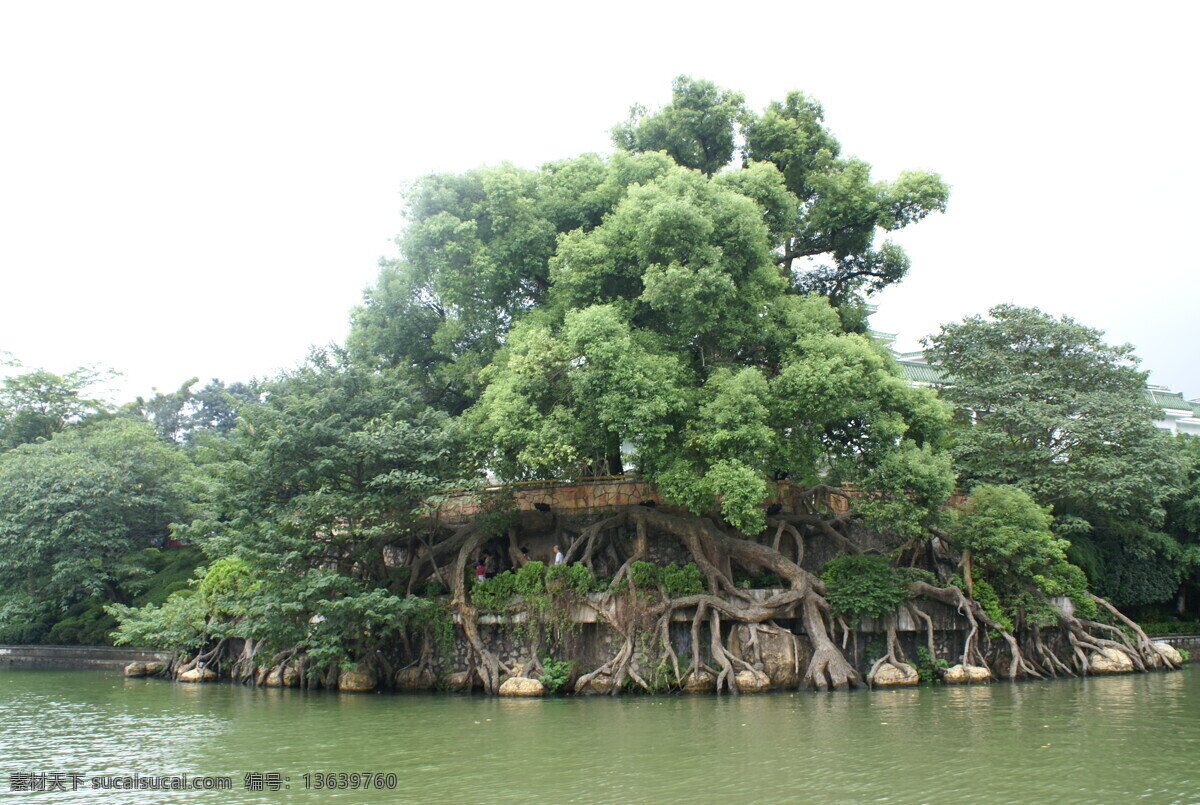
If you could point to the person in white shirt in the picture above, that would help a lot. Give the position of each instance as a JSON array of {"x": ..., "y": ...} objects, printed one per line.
[{"x": 558, "y": 555}]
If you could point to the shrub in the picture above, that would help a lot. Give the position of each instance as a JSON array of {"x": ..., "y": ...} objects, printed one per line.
[
  {"x": 862, "y": 585},
  {"x": 494, "y": 594},
  {"x": 927, "y": 666},
  {"x": 431, "y": 588},
  {"x": 574, "y": 577},
  {"x": 530, "y": 580},
  {"x": 681, "y": 580},
  {"x": 555, "y": 674},
  {"x": 643, "y": 575}
]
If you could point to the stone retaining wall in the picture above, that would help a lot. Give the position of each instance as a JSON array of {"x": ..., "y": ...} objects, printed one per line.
[{"x": 103, "y": 657}]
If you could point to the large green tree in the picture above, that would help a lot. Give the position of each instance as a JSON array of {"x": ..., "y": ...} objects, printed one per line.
[
  {"x": 1058, "y": 412},
  {"x": 76, "y": 508},
  {"x": 652, "y": 309},
  {"x": 327, "y": 470},
  {"x": 36, "y": 404}
]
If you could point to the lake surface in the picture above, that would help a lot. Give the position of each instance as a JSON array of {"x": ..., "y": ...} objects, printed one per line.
[{"x": 1106, "y": 740}]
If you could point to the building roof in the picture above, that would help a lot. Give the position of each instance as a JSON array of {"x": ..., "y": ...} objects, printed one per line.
[
  {"x": 921, "y": 372},
  {"x": 1173, "y": 400}
]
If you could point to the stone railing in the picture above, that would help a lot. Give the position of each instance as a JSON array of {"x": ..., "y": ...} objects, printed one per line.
[{"x": 588, "y": 495}]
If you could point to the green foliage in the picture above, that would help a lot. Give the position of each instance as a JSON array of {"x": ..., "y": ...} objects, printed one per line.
[
  {"x": 75, "y": 507},
  {"x": 37, "y": 404},
  {"x": 555, "y": 674},
  {"x": 431, "y": 588},
  {"x": 494, "y": 594},
  {"x": 572, "y": 578},
  {"x": 682, "y": 580},
  {"x": 86, "y": 623},
  {"x": 989, "y": 599},
  {"x": 182, "y": 414},
  {"x": 908, "y": 575},
  {"x": 696, "y": 128},
  {"x": 1011, "y": 544},
  {"x": 330, "y": 466},
  {"x": 675, "y": 580},
  {"x": 907, "y": 488},
  {"x": 643, "y": 575},
  {"x": 176, "y": 625},
  {"x": 645, "y": 310},
  {"x": 863, "y": 585},
  {"x": 1008, "y": 534},
  {"x": 1185, "y": 654},
  {"x": 1059, "y": 413},
  {"x": 529, "y": 581},
  {"x": 928, "y": 666}
]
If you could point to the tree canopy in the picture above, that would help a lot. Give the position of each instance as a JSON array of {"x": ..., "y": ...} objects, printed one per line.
[
  {"x": 37, "y": 404},
  {"x": 1058, "y": 412},
  {"x": 651, "y": 309},
  {"x": 75, "y": 507}
]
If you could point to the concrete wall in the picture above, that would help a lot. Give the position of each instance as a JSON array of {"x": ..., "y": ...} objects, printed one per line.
[{"x": 102, "y": 657}]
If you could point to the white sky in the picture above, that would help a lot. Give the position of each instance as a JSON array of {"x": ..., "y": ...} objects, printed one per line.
[{"x": 205, "y": 189}]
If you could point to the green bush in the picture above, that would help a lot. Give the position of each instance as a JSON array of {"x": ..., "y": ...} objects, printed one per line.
[
  {"x": 530, "y": 581},
  {"x": 863, "y": 585},
  {"x": 681, "y": 580},
  {"x": 494, "y": 594},
  {"x": 675, "y": 580},
  {"x": 908, "y": 575},
  {"x": 431, "y": 588},
  {"x": 555, "y": 674},
  {"x": 574, "y": 577},
  {"x": 85, "y": 624},
  {"x": 643, "y": 575},
  {"x": 927, "y": 666}
]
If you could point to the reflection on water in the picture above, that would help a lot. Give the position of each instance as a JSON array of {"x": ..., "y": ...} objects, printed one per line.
[{"x": 1098, "y": 740}]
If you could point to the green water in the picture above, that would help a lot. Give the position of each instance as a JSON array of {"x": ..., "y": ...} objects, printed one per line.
[{"x": 1107, "y": 740}]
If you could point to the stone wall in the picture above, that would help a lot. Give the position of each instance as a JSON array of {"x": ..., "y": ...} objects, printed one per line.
[
  {"x": 591, "y": 495},
  {"x": 105, "y": 657}
]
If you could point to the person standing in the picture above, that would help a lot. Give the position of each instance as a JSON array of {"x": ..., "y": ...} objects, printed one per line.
[{"x": 558, "y": 556}]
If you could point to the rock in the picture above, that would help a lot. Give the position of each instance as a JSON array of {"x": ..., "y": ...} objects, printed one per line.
[
  {"x": 274, "y": 677},
  {"x": 522, "y": 686},
  {"x": 290, "y": 677},
  {"x": 157, "y": 668},
  {"x": 892, "y": 676},
  {"x": 260, "y": 675},
  {"x": 965, "y": 674},
  {"x": 358, "y": 679},
  {"x": 136, "y": 669},
  {"x": 699, "y": 682},
  {"x": 598, "y": 686},
  {"x": 752, "y": 682},
  {"x": 780, "y": 661},
  {"x": 197, "y": 675},
  {"x": 461, "y": 681},
  {"x": 415, "y": 679},
  {"x": 1110, "y": 661},
  {"x": 777, "y": 652},
  {"x": 1163, "y": 648}
]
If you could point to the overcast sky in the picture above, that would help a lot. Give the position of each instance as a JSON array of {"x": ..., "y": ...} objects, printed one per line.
[{"x": 206, "y": 189}]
